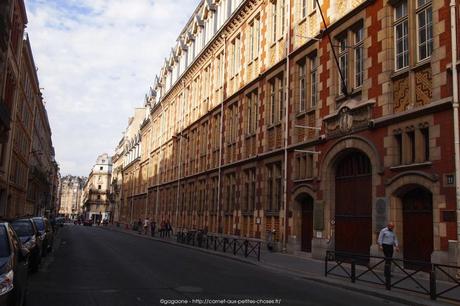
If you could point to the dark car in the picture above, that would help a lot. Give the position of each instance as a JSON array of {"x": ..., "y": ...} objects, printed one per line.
[
  {"x": 29, "y": 236},
  {"x": 13, "y": 267},
  {"x": 60, "y": 221},
  {"x": 88, "y": 222},
  {"x": 46, "y": 234}
]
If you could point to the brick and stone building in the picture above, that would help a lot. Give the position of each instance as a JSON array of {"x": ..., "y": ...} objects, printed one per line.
[{"x": 254, "y": 129}]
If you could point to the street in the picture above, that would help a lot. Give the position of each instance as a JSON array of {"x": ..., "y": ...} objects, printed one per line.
[{"x": 95, "y": 266}]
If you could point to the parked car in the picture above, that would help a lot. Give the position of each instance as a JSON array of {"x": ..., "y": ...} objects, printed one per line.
[
  {"x": 88, "y": 222},
  {"x": 60, "y": 221},
  {"x": 14, "y": 262},
  {"x": 45, "y": 234},
  {"x": 29, "y": 236}
]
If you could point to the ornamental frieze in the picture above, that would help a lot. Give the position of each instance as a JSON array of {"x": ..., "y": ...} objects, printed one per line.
[{"x": 352, "y": 115}]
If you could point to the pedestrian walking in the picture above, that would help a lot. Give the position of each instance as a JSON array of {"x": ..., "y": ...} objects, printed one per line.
[
  {"x": 168, "y": 228},
  {"x": 152, "y": 228},
  {"x": 162, "y": 229},
  {"x": 146, "y": 225},
  {"x": 139, "y": 226},
  {"x": 388, "y": 242}
]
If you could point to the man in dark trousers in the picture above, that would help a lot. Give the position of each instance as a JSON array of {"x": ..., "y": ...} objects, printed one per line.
[
  {"x": 153, "y": 226},
  {"x": 388, "y": 242}
]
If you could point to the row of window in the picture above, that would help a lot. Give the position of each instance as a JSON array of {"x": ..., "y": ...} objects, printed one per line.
[
  {"x": 404, "y": 36},
  {"x": 195, "y": 40},
  {"x": 200, "y": 197},
  {"x": 198, "y": 99}
]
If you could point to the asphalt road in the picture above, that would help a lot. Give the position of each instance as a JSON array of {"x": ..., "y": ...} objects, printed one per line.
[{"x": 95, "y": 266}]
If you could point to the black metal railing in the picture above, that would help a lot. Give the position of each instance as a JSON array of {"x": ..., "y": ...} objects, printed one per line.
[
  {"x": 435, "y": 280},
  {"x": 227, "y": 244}
]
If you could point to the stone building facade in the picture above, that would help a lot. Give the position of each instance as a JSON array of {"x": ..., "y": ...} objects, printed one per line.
[
  {"x": 28, "y": 170},
  {"x": 255, "y": 131},
  {"x": 96, "y": 190},
  {"x": 71, "y": 191}
]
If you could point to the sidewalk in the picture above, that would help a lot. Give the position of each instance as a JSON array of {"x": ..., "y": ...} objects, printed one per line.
[{"x": 313, "y": 270}]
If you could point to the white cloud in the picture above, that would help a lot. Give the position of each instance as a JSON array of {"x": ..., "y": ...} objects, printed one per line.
[{"x": 96, "y": 60}]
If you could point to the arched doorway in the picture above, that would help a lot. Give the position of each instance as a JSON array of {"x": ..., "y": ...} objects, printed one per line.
[
  {"x": 306, "y": 222},
  {"x": 417, "y": 204},
  {"x": 353, "y": 203}
]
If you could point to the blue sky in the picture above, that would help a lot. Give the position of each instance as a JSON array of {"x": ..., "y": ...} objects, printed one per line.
[{"x": 96, "y": 61}]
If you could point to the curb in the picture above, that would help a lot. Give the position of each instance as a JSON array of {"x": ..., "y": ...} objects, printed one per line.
[{"x": 394, "y": 296}]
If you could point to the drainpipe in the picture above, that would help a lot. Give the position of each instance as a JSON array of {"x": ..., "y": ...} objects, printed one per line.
[
  {"x": 221, "y": 135},
  {"x": 180, "y": 152},
  {"x": 453, "y": 28},
  {"x": 286, "y": 126},
  {"x": 160, "y": 161}
]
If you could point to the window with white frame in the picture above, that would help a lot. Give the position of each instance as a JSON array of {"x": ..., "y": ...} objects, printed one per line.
[
  {"x": 280, "y": 81},
  {"x": 229, "y": 8},
  {"x": 302, "y": 86},
  {"x": 236, "y": 46},
  {"x": 424, "y": 29},
  {"x": 401, "y": 32},
  {"x": 343, "y": 64},
  {"x": 303, "y": 8},
  {"x": 282, "y": 8},
  {"x": 274, "y": 19},
  {"x": 359, "y": 58},
  {"x": 185, "y": 58},
  {"x": 254, "y": 38},
  {"x": 203, "y": 36},
  {"x": 313, "y": 80},
  {"x": 251, "y": 112},
  {"x": 220, "y": 70},
  {"x": 215, "y": 17}
]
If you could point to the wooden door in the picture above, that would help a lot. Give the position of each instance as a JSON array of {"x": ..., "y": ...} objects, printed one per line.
[
  {"x": 307, "y": 223},
  {"x": 418, "y": 225},
  {"x": 353, "y": 204}
]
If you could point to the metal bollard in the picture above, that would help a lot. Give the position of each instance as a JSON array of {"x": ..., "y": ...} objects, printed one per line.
[
  {"x": 433, "y": 284},
  {"x": 353, "y": 271}
]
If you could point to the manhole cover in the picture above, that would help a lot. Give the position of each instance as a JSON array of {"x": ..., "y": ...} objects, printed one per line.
[{"x": 189, "y": 289}]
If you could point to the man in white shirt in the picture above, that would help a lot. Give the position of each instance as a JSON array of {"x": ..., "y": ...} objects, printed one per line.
[
  {"x": 146, "y": 225},
  {"x": 388, "y": 240}
]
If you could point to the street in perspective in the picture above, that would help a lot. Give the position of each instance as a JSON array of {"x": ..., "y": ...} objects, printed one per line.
[{"x": 229, "y": 152}]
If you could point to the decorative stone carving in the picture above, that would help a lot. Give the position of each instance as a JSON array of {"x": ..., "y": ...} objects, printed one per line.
[{"x": 352, "y": 115}]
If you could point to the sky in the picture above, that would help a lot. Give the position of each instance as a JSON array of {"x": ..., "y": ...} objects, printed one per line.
[{"x": 96, "y": 60}]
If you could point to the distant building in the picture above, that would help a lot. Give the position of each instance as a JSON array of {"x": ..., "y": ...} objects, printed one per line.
[
  {"x": 71, "y": 192},
  {"x": 96, "y": 204}
]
